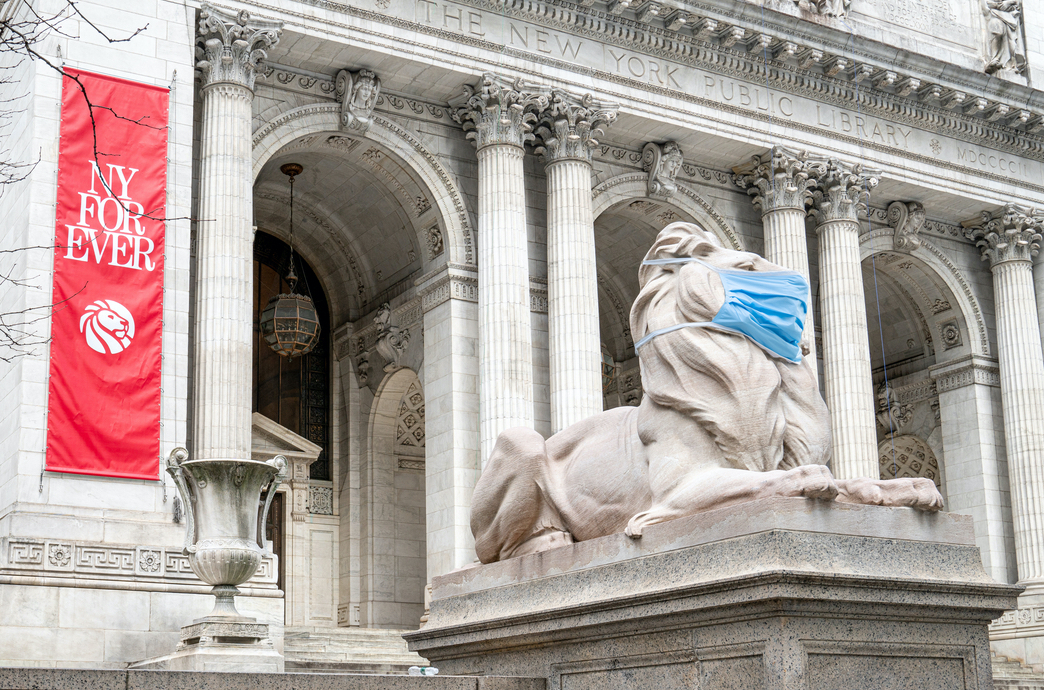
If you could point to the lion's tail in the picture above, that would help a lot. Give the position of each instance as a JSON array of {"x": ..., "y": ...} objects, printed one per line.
[{"x": 508, "y": 500}]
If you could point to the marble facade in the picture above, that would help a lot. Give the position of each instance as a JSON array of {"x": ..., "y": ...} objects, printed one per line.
[{"x": 493, "y": 172}]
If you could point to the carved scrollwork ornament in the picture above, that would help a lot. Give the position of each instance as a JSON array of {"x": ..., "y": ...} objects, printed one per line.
[
  {"x": 498, "y": 111},
  {"x": 842, "y": 191},
  {"x": 907, "y": 217},
  {"x": 570, "y": 126},
  {"x": 233, "y": 48},
  {"x": 357, "y": 92},
  {"x": 392, "y": 341},
  {"x": 1010, "y": 234},
  {"x": 662, "y": 162},
  {"x": 777, "y": 180}
]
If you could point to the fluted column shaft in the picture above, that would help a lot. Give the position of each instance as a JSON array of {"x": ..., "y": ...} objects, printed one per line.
[
  {"x": 224, "y": 254},
  {"x": 234, "y": 47},
  {"x": 505, "y": 332},
  {"x": 1010, "y": 239},
  {"x": 840, "y": 192},
  {"x": 846, "y": 352},
  {"x": 498, "y": 115},
  {"x": 572, "y": 295},
  {"x": 567, "y": 132}
]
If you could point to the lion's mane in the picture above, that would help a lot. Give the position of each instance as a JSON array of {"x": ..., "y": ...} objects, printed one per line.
[{"x": 763, "y": 413}]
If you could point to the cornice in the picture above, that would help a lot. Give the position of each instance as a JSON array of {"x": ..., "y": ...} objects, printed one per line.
[{"x": 806, "y": 59}]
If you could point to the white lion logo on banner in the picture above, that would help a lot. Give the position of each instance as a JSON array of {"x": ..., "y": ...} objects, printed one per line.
[{"x": 108, "y": 326}]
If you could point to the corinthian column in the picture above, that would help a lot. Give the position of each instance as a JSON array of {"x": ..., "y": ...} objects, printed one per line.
[
  {"x": 841, "y": 191},
  {"x": 567, "y": 132},
  {"x": 233, "y": 48},
  {"x": 499, "y": 117},
  {"x": 780, "y": 183},
  {"x": 1010, "y": 239}
]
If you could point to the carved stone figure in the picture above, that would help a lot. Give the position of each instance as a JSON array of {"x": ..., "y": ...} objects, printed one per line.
[
  {"x": 662, "y": 163},
  {"x": 907, "y": 218},
  {"x": 358, "y": 93},
  {"x": 391, "y": 340},
  {"x": 723, "y": 421},
  {"x": 1004, "y": 49},
  {"x": 892, "y": 414}
]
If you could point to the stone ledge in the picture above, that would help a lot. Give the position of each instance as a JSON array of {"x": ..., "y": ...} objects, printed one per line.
[{"x": 64, "y": 679}]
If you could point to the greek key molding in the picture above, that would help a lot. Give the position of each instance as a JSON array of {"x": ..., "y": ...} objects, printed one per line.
[
  {"x": 966, "y": 372},
  {"x": 54, "y": 558}
]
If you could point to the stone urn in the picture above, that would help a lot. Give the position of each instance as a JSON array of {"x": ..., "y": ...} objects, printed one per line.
[{"x": 225, "y": 530}]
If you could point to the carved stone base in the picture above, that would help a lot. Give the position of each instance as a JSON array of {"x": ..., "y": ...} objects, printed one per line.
[
  {"x": 774, "y": 594},
  {"x": 221, "y": 645}
]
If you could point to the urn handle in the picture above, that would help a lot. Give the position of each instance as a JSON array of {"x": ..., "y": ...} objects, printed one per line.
[
  {"x": 174, "y": 469},
  {"x": 279, "y": 462}
]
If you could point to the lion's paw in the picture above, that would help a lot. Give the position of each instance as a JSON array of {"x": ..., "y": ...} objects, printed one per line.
[
  {"x": 918, "y": 493},
  {"x": 807, "y": 481}
]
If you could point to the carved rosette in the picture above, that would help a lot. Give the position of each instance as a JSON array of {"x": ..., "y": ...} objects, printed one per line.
[
  {"x": 662, "y": 162},
  {"x": 1011, "y": 234},
  {"x": 570, "y": 126},
  {"x": 841, "y": 191},
  {"x": 498, "y": 111},
  {"x": 907, "y": 217},
  {"x": 778, "y": 180},
  {"x": 232, "y": 48}
]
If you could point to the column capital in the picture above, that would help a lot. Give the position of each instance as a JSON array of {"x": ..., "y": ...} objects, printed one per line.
[
  {"x": 1009, "y": 234},
  {"x": 499, "y": 111},
  {"x": 570, "y": 125},
  {"x": 841, "y": 191},
  {"x": 779, "y": 179},
  {"x": 231, "y": 48}
]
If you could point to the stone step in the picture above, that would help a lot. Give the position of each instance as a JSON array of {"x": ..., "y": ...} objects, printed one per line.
[
  {"x": 310, "y": 649},
  {"x": 1012, "y": 674}
]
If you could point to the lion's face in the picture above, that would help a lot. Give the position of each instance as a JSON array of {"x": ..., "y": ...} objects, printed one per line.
[{"x": 112, "y": 323}]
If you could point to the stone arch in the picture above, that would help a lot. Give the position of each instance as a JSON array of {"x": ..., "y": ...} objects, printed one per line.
[
  {"x": 319, "y": 118},
  {"x": 393, "y": 505},
  {"x": 934, "y": 262},
  {"x": 634, "y": 186}
]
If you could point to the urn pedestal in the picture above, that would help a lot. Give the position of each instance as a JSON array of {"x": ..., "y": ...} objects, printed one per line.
[
  {"x": 784, "y": 593},
  {"x": 224, "y": 542}
]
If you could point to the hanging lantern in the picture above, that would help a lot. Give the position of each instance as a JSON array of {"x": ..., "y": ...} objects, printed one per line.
[{"x": 290, "y": 323}]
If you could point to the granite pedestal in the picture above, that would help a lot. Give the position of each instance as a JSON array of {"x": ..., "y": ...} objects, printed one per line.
[
  {"x": 780, "y": 593},
  {"x": 239, "y": 645}
]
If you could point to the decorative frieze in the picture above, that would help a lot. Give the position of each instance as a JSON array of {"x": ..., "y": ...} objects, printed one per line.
[
  {"x": 357, "y": 92},
  {"x": 662, "y": 162},
  {"x": 112, "y": 562},
  {"x": 233, "y": 48},
  {"x": 777, "y": 180},
  {"x": 907, "y": 217},
  {"x": 966, "y": 372},
  {"x": 827, "y": 8},
  {"x": 1010, "y": 234},
  {"x": 842, "y": 191},
  {"x": 498, "y": 111},
  {"x": 569, "y": 126}
]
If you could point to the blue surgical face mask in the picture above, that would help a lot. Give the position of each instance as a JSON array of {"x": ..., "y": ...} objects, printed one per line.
[{"x": 769, "y": 307}]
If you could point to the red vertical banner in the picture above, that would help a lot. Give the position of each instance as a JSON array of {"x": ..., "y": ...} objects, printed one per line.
[{"x": 103, "y": 408}]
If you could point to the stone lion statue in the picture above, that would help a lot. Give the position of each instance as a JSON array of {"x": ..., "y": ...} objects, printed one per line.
[{"x": 725, "y": 419}]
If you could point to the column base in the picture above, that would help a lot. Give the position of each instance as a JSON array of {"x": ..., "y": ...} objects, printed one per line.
[{"x": 770, "y": 594}]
